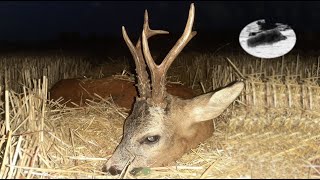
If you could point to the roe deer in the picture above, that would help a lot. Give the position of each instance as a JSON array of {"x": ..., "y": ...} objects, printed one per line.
[{"x": 162, "y": 127}]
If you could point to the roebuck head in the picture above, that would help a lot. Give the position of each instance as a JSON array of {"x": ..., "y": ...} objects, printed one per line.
[{"x": 162, "y": 127}]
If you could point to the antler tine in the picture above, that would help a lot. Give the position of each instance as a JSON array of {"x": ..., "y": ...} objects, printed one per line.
[
  {"x": 150, "y": 32},
  {"x": 142, "y": 75},
  {"x": 158, "y": 72},
  {"x": 187, "y": 35},
  {"x": 143, "y": 81}
]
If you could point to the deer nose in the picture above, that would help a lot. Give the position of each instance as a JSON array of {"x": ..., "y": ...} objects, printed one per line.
[{"x": 114, "y": 171}]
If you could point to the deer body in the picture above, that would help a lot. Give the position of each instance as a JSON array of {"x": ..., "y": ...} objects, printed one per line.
[
  {"x": 123, "y": 92},
  {"x": 162, "y": 127}
]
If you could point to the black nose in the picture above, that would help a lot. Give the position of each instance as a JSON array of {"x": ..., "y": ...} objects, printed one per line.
[{"x": 114, "y": 171}]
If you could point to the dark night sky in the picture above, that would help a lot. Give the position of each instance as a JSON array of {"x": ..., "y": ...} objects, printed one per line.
[{"x": 33, "y": 20}]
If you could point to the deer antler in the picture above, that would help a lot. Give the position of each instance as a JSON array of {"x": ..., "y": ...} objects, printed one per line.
[
  {"x": 141, "y": 54},
  {"x": 136, "y": 51},
  {"x": 158, "y": 72}
]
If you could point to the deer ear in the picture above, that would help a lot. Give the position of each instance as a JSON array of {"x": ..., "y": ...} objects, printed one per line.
[{"x": 208, "y": 106}]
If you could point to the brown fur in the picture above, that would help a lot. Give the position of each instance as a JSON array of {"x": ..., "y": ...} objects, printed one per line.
[
  {"x": 162, "y": 127},
  {"x": 123, "y": 92},
  {"x": 179, "y": 134},
  {"x": 181, "y": 125}
]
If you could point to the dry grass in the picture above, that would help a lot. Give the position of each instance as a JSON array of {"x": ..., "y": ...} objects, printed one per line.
[
  {"x": 271, "y": 131},
  {"x": 21, "y": 69}
]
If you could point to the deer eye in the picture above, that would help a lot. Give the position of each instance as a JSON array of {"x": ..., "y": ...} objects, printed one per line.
[{"x": 151, "y": 139}]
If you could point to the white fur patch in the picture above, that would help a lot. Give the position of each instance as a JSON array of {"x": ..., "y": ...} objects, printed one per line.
[
  {"x": 198, "y": 112},
  {"x": 157, "y": 115}
]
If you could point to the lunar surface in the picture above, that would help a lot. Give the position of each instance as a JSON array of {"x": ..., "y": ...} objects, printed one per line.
[{"x": 267, "y": 40}]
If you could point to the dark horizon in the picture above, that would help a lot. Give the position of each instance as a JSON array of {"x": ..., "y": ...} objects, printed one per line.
[
  {"x": 95, "y": 26},
  {"x": 44, "y": 20}
]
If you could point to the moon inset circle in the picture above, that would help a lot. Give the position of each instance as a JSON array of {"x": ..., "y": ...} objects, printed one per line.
[{"x": 265, "y": 39}]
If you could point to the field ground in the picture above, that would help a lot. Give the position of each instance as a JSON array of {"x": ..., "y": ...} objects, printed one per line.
[{"x": 270, "y": 131}]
